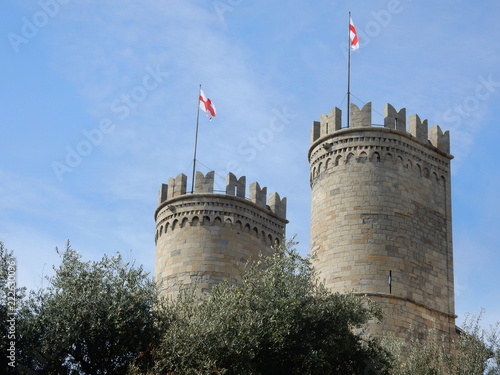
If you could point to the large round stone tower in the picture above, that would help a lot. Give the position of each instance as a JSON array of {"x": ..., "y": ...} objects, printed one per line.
[
  {"x": 206, "y": 237},
  {"x": 381, "y": 216}
]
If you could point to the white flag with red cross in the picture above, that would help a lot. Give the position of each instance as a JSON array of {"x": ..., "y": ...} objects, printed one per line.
[
  {"x": 353, "y": 35},
  {"x": 207, "y": 106}
]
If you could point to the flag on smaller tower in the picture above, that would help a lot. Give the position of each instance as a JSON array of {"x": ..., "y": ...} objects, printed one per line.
[
  {"x": 206, "y": 105},
  {"x": 353, "y": 35}
]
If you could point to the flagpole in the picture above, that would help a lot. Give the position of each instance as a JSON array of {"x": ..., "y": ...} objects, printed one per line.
[
  {"x": 196, "y": 140},
  {"x": 348, "y": 67}
]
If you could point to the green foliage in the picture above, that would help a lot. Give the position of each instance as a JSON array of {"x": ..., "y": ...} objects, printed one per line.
[
  {"x": 474, "y": 352},
  {"x": 478, "y": 349},
  {"x": 94, "y": 318},
  {"x": 420, "y": 357},
  {"x": 105, "y": 317},
  {"x": 280, "y": 320}
]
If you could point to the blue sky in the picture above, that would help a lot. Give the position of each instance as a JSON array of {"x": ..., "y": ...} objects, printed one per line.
[{"x": 98, "y": 108}]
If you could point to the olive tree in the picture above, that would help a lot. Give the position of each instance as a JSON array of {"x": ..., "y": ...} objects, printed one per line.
[
  {"x": 475, "y": 351},
  {"x": 95, "y": 317},
  {"x": 279, "y": 320}
]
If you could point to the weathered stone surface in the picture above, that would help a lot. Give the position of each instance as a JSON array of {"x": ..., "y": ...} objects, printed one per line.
[
  {"x": 381, "y": 204},
  {"x": 205, "y": 237}
]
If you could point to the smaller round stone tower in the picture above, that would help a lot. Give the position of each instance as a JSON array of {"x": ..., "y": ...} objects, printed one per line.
[
  {"x": 207, "y": 237},
  {"x": 381, "y": 216}
]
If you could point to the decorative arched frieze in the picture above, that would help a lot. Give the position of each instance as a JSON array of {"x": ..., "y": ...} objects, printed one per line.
[
  {"x": 184, "y": 222},
  {"x": 363, "y": 157},
  {"x": 195, "y": 221}
]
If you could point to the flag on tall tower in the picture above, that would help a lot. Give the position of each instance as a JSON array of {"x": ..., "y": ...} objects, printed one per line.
[
  {"x": 206, "y": 105},
  {"x": 353, "y": 35}
]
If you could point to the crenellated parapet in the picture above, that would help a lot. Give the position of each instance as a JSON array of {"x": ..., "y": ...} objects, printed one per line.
[
  {"x": 393, "y": 119},
  {"x": 204, "y": 184},
  {"x": 176, "y": 187},
  {"x": 401, "y": 142},
  {"x": 235, "y": 186}
]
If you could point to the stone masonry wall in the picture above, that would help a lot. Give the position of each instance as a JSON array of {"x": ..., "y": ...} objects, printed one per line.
[
  {"x": 205, "y": 238},
  {"x": 380, "y": 204}
]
